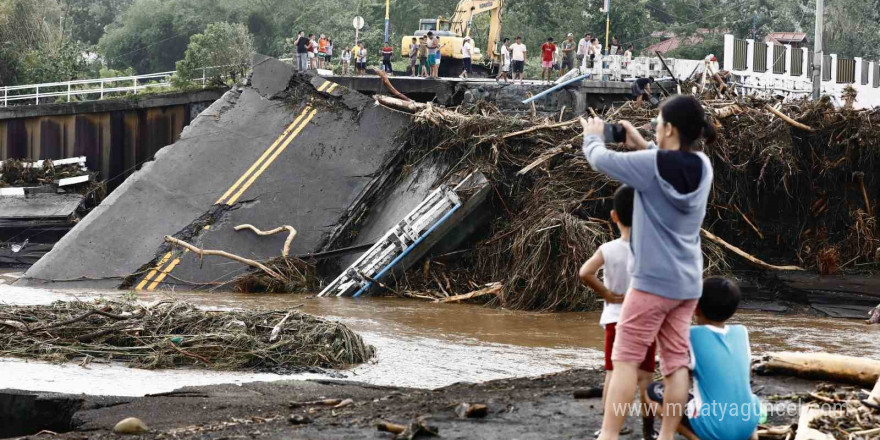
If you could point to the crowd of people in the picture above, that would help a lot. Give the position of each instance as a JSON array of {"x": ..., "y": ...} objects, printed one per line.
[
  {"x": 653, "y": 288},
  {"x": 558, "y": 59},
  {"x": 425, "y": 54}
]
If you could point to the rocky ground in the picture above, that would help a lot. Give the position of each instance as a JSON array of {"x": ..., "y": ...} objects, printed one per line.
[{"x": 522, "y": 408}]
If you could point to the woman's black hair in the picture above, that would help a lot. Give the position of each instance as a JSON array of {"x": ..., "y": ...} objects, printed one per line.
[{"x": 687, "y": 115}]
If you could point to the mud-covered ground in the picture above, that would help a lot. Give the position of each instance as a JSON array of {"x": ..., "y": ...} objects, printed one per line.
[{"x": 522, "y": 408}]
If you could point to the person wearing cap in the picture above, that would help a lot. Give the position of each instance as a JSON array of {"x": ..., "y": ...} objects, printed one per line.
[
  {"x": 466, "y": 49},
  {"x": 567, "y": 54}
]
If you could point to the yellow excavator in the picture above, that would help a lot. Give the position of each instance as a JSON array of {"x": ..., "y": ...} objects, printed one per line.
[{"x": 452, "y": 32}]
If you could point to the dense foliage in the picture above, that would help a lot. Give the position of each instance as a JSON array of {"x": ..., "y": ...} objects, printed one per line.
[
  {"x": 220, "y": 53},
  {"x": 54, "y": 40}
]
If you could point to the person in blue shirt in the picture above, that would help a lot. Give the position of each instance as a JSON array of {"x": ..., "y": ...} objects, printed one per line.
[{"x": 722, "y": 406}]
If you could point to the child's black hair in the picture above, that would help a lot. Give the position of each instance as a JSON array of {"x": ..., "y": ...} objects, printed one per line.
[
  {"x": 623, "y": 204},
  {"x": 720, "y": 298}
]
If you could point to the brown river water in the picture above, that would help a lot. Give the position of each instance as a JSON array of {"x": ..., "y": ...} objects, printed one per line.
[{"x": 419, "y": 344}]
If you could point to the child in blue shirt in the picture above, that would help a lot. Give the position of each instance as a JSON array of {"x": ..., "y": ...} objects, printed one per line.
[{"x": 722, "y": 406}]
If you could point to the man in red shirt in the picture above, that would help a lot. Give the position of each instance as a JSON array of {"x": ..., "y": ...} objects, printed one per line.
[
  {"x": 548, "y": 51},
  {"x": 387, "y": 52}
]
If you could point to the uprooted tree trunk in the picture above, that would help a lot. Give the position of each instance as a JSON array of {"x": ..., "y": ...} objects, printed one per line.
[{"x": 821, "y": 366}]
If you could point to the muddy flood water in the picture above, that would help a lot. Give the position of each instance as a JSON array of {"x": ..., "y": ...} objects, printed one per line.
[{"x": 419, "y": 344}]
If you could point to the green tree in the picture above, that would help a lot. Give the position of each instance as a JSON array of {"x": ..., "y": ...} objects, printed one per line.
[
  {"x": 85, "y": 19},
  {"x": 35, "y": 48},
  {"x": 221, "y": 53}
]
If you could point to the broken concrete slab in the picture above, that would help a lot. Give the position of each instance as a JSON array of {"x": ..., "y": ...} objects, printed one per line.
[
  {"x": 301, "y": 156},
  {"x": 39, "y": 206}
]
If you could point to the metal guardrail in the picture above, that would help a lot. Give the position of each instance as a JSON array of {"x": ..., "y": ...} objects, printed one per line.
[
  {"x": 92, "y": 89},
  {"x": 85, "y": 88}
]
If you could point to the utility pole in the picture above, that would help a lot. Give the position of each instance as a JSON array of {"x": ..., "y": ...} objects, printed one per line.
[
  {"x": 817, "y": 49},
  {"x": 607, "y": 23},
  {"x": 387, "y": 17},
  {"x": 754, "y": 26}
]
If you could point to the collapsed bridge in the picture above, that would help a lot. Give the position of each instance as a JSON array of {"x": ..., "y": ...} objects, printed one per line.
[{"x": 287, "y": 149}]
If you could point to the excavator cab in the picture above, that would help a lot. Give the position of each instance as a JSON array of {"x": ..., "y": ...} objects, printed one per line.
[
  {"x": 452, "y": 32},
  {"x": 438, "y": 26}
]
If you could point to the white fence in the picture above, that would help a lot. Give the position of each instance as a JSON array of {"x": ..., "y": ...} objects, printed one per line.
[
  {"x": 615, "y": 67},
  {"x": 787, "y": 71},
  {"x": 90, "y": 89},
  {"x": 86, "y": 89}
]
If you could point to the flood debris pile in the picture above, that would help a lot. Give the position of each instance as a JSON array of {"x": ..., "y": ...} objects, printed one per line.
[
  {"x": 14, "y": 172},
  {"x": 169, "y": 334},
  {"x": 296, "y": 276},
  {"x": 797, "y": 184},
  {"x": 832, "y": 411},
  {"x": 788, "y": 192},
  {"x": 854, "y": 421}
]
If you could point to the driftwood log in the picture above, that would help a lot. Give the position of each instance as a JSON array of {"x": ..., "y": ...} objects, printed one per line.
[
  {"x": 787, "y": 119},
  {"x": 491, "y": 289},
  {"x": 390, "y": 87},
  {"x": 821, "y": 366},
  {"x": 754, "y": 261}
]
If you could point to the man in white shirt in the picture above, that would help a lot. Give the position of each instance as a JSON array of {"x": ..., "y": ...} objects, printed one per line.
[
  {"x": 466, "y": 57},
  {"x": 518, "y": 58},
  {"x": 583, "y": 47},
  {"x": 505, "y": 61}
]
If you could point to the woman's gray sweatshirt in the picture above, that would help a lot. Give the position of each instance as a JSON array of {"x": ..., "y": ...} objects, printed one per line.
[{"x": 672, "y": 189}]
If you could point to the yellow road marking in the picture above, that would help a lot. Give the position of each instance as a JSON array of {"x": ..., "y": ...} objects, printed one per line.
[
  {"x": 152, "y": 272},
  {"x": 324, "y": 86},
  {"x": 271, "y": 159},
  {"x": 332, "y": 87},
  {"x": 163, "y": 274},
  {"x": 250, "y": 175},
  {"x": 263, "y": 156}
]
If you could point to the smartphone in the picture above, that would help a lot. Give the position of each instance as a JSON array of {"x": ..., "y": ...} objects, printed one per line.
[{"x": 615, "y": 133}]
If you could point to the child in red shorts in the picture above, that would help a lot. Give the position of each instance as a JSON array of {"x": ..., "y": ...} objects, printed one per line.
[{"x": 614, "y": 258}]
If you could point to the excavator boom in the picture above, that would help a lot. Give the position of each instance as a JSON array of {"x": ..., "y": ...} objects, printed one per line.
[
  {"x": 453, "y": 31},
  {"x": 462, "y": 20}
]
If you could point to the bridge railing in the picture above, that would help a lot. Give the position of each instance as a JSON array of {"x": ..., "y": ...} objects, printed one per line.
[
  {"x": 87, "y": 89},
  {"x": 93, "y": 89}
]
